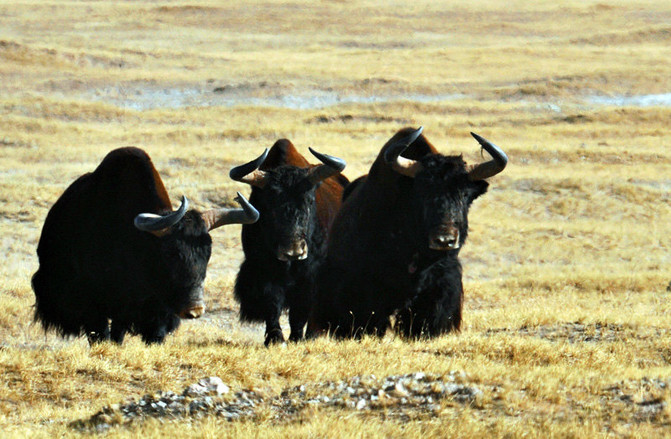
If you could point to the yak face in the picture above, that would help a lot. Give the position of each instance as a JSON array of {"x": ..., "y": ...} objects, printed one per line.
[
  {"x": 185, "y": 251},
  {"x": 286, "y": 198},
  {"x": 287, "y": 211},
  {"x": 443, "y": 193},
  {"x": 185, "y": 247},
  {"x": 443, "y": 187}
]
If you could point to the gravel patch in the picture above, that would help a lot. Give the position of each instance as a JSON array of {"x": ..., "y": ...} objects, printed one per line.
[
  {"x": 400, "y": 396},
  {"x": 396, "y": 392}
]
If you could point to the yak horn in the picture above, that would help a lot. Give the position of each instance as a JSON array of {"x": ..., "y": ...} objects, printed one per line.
[
  {"x": 492, "y": 167},
  {"x": 330, "y": 167},
  {"x": 220, "y": 217},
  {"x": 249, "y": 172},
  {"x": 402, "y": 165},
  {"x": 150, "y": 222}
]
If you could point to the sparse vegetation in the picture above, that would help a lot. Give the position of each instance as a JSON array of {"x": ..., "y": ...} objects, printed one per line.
[{"x": 566, "y": 320}]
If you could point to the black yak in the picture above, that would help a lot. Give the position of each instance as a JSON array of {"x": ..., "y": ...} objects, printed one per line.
[
  {"x": 115, "y": 259},
  {"x": 393, "y": 245},
  {"x": 297, "y": 202}
]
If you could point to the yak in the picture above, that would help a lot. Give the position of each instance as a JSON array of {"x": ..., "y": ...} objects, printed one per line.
[
  {"x": 282, "y": 251},
  {"x": 115, "y": 259},
  {"x": 393, "y": 247}
]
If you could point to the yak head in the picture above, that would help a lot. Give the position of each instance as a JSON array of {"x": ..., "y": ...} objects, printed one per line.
[
  {"x": 185, "y": 247},
  {"x": 443, "y": 187},
  {"x": 286, "y": 198}
]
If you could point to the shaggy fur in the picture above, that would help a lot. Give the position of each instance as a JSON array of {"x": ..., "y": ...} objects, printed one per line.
[
  {"x": 290, "y": 208},
  {"x": 379, "y": 262},
  {"x": 95, "y": 266}
]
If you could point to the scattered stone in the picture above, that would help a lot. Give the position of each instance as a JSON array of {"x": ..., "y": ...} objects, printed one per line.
[
  {"x": 399, "y": 395},
  {"x": 417, "y": 391},
  {"x": 361, "y": 404},
  {"x": 207, "y": 386}
]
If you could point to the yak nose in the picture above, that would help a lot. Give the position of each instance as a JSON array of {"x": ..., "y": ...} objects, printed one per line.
[
  {"x": 193, "y": 311},
  {"x": 445, "y": 240},
  {"x": 297, "y": 251}
]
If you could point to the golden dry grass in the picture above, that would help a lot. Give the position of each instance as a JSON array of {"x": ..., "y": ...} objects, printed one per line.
[{"x": 567, "y": 266}]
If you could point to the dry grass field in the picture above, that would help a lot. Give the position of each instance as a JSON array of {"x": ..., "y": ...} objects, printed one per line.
[{"x": 567, "y": 271}]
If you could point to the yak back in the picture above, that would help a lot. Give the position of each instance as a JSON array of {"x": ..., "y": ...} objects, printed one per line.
[
  {"x": 373, "y": 194},
  {"x": 382, "y": 181},
  {"x": 377, "y": 207},
  {"x": 328, "y": 195},
  {"x": 90, "y": 252},
  {"x": 128, "y": 179},
  {"x": 100, "y": 206}
]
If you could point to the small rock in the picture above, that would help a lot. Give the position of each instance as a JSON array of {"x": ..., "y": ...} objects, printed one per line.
[
  {"x": 399, "y": 391},
  {"x": 207, "y": 386},
  {"x": 102, "y": 428},
  {"x": 419, "y": 376}
]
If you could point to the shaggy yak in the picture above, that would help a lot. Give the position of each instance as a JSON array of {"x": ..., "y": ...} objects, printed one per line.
[
  {"x": 115, "y": 259},
  {"x": 394, "y": 244},
  {"x": 297, "y": 203}
]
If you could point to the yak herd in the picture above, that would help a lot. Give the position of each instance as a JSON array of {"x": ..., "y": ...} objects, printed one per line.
[{"x": 344, "y": 258}]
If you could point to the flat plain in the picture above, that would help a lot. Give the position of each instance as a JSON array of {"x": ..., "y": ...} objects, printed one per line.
[{"x": 567, "y": 268}]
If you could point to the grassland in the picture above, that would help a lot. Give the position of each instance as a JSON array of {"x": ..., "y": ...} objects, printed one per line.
[{"x": 567, "y": 268}]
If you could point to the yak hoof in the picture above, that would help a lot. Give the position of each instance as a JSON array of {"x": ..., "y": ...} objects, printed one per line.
[
  {"x": 296, "y": 338},
  {"x": 274, "y": 337}
]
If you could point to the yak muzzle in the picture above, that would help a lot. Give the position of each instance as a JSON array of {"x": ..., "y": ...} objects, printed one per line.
[
  {"x": 444, "y": 238},
  {"x": 296, "y": 251},
  {"x": 193, "y": 311}
]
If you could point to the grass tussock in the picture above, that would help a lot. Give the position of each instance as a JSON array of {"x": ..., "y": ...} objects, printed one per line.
[{"x": 566, "y": 271}]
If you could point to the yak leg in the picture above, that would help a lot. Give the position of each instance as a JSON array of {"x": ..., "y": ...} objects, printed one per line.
[
  {"x": 436, "y": 308},
  {"x": 274, "y": 307},
  {"x": 367, "y": 314},
  {"x": 358, "y": 323},
  {"x": 159, "y": 322},
  {"x": 300, "y": 303},
  {"x": 274, "y": 334},
  {"x": 376, "y": 325},
  {"x": 118, "y": 332},
  {"x": 97, "y": 331},
  {"x": 350, "y": 318},
  {"x": 298, "y": 317},
  {"x": 155, "y": 337},
  {"x": 260, "y": 300},
  {"x": 157, "y": 333},
  {"x": 409, "y": 323}
]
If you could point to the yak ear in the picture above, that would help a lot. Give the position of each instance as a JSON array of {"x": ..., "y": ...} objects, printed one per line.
[{"x": 476, "y": 188}]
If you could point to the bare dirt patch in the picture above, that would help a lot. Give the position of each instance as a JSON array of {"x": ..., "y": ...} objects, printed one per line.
[
  {"x": 644, "y": 400},
  {"x": 354, "y": 118},
  {"x": 576, "y": 332}
]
